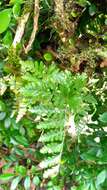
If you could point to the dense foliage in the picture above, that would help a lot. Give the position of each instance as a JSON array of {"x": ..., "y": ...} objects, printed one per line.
[{"x": 53, "y": 104}]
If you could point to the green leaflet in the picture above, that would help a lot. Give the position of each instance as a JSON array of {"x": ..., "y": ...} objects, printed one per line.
[
  {"x": 92, "y": 9},
  {"x": 7, "y": 40},
  {"x": 7, "y": 122},
  {"x": 21, "y": 170},
  {"x": 21, "y": 140}
]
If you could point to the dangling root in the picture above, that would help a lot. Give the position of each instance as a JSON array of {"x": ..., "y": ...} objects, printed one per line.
[
  {"x": 35, "y": 27},
  {"x": 72, "y": 128},
  {"x": 20, "y": 29},
  {"x": 62, "y": 18}
]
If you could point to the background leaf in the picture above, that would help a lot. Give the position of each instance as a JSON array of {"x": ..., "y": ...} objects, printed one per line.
[
  {"x": 101, "y": 178},
  {"x": 103, "y": 117},
  {"x": 15, "y": 183},
  {"x": 27, "y": 183}
]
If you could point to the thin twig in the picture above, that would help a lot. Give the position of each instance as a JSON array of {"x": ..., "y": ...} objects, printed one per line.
[{"x": 35, "y": 27}]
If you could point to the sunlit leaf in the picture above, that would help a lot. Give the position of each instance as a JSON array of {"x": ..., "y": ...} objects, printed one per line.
[
  {"x": 21, "y": 170},
  {"x": 16, "y": 10},
  {"x": 5, "y": 17},
  {"x": 6, "y": 177},
  {"x": 48, "y": 56},
  {"x": 21, "y": 140}
]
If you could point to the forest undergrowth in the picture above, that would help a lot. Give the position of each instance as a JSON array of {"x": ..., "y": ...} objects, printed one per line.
[{"x": 53, "y": 95}]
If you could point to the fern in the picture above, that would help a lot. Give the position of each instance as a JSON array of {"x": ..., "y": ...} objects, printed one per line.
[
  {"x": 51, "y": 148},
  {"x": 53, "y": 96},
  {"x": 21, "y": 112},
  {"x": 52, "y": 136}
]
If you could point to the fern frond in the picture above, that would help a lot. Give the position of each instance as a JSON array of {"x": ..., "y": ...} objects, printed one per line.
[
  {"x": 51, "y": 172},
  {"x": 21, "y": 112},
  {"x": 50, "y": 125},
  {"x": 49, "y": 95},
  {"x": 51, "y": 161},
  {"x": 3, "y": 86},
  {"x": 51, "y": 136},
  {"x": 51, "y": 148}
]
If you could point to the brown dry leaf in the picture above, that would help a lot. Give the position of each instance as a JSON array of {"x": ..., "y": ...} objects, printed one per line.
[
  {"x": 33, "y": 187},
  {"x": 2, "y": 163},
  {"x": 75, "y": 68},
  {"x": 9, "y": 170},
  {"x": 103, "y": 63}
]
